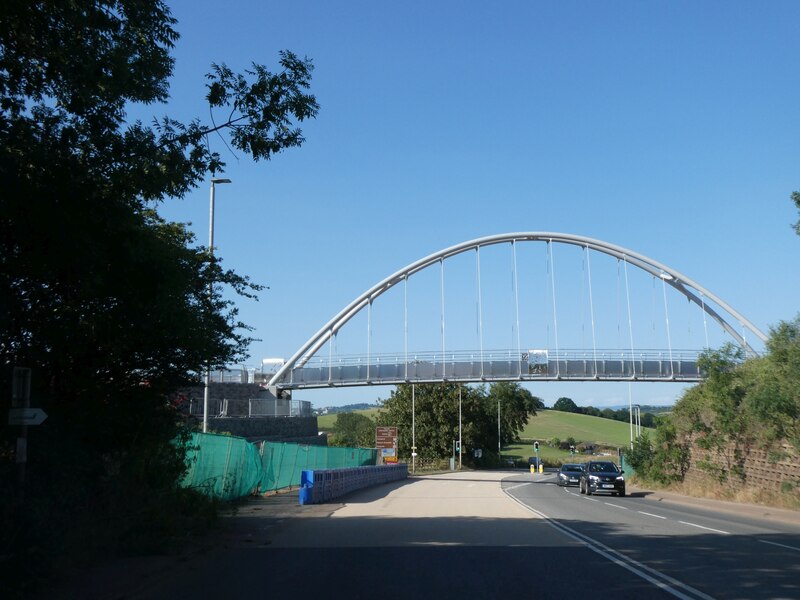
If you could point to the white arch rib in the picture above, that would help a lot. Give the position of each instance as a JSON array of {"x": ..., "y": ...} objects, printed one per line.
[{"x": 677, "y": 280}]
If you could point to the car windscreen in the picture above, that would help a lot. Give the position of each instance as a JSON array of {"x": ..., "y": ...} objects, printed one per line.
[{"x": 604, "y": 468}]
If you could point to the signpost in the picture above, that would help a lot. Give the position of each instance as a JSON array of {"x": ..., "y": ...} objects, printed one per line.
[
  {"x": 386, "y": 442},
  {"x": 26, "y": 416}
]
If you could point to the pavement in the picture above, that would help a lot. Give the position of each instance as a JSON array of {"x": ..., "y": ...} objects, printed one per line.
[{"x": 255, "y": 520}]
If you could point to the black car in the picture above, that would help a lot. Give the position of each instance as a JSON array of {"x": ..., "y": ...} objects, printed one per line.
[
  {"x": 570, "y": 474},
  {"x": 602, "y": 476}
]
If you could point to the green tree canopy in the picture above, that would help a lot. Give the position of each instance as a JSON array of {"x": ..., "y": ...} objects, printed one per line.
[
  {"x": 516, "y": 405},
  {"x": 436, "y": 417},
  {"x": 353, "y": 430},
  {"x": 534, "y": 403},
  {"x": 566, "y": 405},
  {"x": 107, "y": 303}
]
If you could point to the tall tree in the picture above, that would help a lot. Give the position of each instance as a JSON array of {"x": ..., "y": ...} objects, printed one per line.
[
  {"x": 107, "y": 303},
  {"x": 515, "y": 408},
  {"x": 535, "y": 404},
  {"x": 566, "y": 405},
  {"x": 353, "y": 430},
  {"x": 796, "y": 200},
  {"x": 436, "y": 410}
]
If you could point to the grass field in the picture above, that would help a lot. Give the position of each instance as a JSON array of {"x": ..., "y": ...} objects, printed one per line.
[
  {"x": 549, "y": 424},
  {"x": 325, "y": 422}
]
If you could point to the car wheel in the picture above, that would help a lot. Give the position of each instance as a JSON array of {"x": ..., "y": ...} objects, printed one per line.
[
  {"x": 588, "y": 490},
  {"x": 583, "y": 491}
]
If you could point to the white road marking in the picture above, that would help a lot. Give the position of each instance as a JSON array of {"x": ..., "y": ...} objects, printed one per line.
[
  {"x": 519, "y": 485},
  {"x": 779, "y": 545},
  {"x": 641, "y": 512},
  {"x": 660, "y": 580},
  {"x": 706, "y": 528},
  {"x": 617, "y": 506},
  {"x": 590, "y": 499}
]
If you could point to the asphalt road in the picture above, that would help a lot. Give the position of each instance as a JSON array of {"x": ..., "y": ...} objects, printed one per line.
[
  {"x": 468, "y": 535},
  {"x": 693, "y": 549},
  {"x": 457, "y": 535}
]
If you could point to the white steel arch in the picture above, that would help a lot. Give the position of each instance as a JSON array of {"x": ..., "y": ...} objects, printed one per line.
[{"x": 677, "y": 280}]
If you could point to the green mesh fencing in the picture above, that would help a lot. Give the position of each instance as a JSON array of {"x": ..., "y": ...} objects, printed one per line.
[
  {"x": 230, "y": 467},
  {"x": 223, "y": 466},
  {"x": 284, "y": 463}
]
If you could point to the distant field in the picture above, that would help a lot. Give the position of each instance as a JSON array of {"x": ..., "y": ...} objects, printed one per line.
[
  {"x": 548, "y": 424},
  {"x": 325, "y": 422}
]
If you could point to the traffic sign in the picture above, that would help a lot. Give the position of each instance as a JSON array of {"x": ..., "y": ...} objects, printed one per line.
[
  {"x": 386, "y": 437},
  {"x": 26, "y": 416}
]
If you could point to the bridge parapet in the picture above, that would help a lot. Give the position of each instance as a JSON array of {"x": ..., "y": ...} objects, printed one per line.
[{"x": 501, "y": 365}]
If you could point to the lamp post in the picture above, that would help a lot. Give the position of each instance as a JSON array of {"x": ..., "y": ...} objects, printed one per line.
[
  {"x": 214, "y": 180},
  {"x": 460, "y": 447},
  {"x": 638, "y": 414},
  {"x": 413, "y": 431}
]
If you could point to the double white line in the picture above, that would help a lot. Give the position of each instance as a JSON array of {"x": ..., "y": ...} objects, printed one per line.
[{"x": 657, "y": 578}]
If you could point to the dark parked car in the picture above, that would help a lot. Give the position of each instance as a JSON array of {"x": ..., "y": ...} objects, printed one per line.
[
  {"x": 602, "y": 476},
  {"x": 570, "y": 474}
]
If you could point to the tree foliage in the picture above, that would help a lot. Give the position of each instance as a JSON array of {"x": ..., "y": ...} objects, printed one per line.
[
  {"x": 796, "y": 200},
  {"x": 743, "y": 403},
  {"x": 436, "y": 412},
  {"x": 109, "y": 305},
  {"x": 566, "y": 405},
  {"x": 353, "y": 430},
  {"x": 665, "y": 459}
]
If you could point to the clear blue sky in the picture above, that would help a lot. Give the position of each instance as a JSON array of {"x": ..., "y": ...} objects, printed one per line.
[{"x": 670, "y": 128}]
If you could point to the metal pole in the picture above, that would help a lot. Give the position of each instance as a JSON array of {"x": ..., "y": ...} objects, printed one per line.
[
  {"x": 630, "y": 411},
  {"x": 460, "y": 447},
  {"x": 498, "y": 428},
  {"x": 210, "y": 293},
  {"x": 413, "y": 430}
]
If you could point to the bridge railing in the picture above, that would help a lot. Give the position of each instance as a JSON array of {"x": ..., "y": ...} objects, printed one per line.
[{"x": 496, "y": 365}]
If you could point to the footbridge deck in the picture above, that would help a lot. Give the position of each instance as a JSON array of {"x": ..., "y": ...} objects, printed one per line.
[{"x": 534, "y": 365}]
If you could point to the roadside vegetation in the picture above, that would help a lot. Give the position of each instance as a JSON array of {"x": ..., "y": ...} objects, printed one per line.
[
  {"x": 745, "y": 405},
  {"x": 110, "y": 307}
]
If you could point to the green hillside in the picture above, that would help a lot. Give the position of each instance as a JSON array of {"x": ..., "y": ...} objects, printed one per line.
[
  {"x": 548, "y": 424},
  {"x": 326, "y": 422}
]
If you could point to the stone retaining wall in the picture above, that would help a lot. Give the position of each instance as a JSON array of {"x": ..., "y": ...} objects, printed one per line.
[
  {"x": 283, "y": 429},
  {"x": 776, "y": 469}
]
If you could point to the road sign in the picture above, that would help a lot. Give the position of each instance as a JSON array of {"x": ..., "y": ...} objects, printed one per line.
[
  {"x": 386, "y": 437},
  {"x": 26, "y": 416}
]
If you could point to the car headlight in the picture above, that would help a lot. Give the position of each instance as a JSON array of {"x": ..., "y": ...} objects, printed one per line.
[
  {"x": 621, "y": 478},
  {"x": 594, "y": 478}
]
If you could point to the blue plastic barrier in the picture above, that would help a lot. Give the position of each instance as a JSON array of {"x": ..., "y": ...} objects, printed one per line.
[{"x": 322, "y": 485}]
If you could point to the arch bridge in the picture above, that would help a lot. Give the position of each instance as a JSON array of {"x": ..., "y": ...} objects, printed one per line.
[{"x": 312, "y": 367}]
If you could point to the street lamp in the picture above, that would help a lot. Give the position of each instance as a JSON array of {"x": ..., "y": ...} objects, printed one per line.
[
  {"x": 638, "y": 410},
  {"x": 214, "y": 180},
  {"x": 413, "y": 431},
  {"x": 460, "y": 448}
]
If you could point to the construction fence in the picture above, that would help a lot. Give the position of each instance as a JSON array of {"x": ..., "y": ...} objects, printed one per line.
[{"x": 229, "y": 467}]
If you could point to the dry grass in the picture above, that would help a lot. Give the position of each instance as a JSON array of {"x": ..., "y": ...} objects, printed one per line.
[{"x": 748, "y": 495}]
